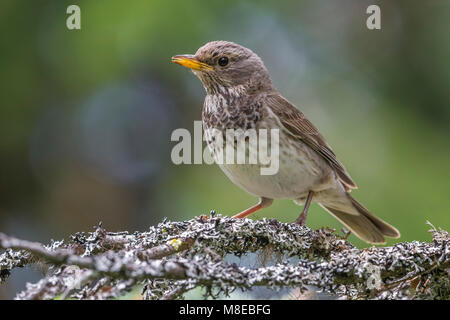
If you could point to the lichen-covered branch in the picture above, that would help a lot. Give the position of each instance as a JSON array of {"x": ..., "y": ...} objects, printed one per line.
[{"x": 175, "y": 257}]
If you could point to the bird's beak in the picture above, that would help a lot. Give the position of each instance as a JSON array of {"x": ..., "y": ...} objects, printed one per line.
[{"x": 189, "y": 61}]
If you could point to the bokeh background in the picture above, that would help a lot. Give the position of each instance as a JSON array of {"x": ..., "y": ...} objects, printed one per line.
[{"x": 86, "y": 115}]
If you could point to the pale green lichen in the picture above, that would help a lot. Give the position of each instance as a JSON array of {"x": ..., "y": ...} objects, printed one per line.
[{"x": 175, "y": 243}]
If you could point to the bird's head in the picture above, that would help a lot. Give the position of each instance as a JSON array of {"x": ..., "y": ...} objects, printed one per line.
[{"x": 223, "y": 66}]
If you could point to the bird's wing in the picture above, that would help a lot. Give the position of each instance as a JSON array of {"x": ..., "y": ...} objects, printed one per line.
[{"x": 297, "y": 124}]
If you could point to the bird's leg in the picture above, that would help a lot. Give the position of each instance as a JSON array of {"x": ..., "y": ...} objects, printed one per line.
[
  {"x": 263, "y": 203},
  {"x": 301, "y": 220}
]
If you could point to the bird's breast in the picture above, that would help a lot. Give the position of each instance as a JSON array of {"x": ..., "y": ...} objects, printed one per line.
[
  {"x": 224, "y": 112},
  {"x": 300, "y": 169}
]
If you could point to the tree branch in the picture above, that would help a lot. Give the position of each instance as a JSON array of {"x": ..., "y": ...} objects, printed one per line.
[{"x": 174, "y": 257}]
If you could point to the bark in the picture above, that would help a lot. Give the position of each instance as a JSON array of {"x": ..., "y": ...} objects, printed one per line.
[{"x": 175, "y": 257}]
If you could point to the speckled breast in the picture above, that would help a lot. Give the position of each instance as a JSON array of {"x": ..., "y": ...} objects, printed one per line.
[{"x": 300, "y": 169}]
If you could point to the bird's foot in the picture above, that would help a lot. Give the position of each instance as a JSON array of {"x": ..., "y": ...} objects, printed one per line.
[{"x": 203, "y": 218}]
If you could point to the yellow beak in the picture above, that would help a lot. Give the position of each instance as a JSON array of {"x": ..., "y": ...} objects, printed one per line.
[{"x": 188, "y": 61}]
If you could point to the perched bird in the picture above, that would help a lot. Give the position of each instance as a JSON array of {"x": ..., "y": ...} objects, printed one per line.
[{"x": 240, "y": 95}]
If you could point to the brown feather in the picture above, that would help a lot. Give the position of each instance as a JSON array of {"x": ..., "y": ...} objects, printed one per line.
[
  {"x": 366, "y": 226},
  {"x": 297, "y": 124}
]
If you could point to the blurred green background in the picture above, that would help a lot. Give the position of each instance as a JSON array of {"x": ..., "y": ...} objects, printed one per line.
[{"x": 86, "y": 115}]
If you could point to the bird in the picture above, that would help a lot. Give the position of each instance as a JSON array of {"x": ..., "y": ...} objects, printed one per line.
[{"x": 240, "y": 95}]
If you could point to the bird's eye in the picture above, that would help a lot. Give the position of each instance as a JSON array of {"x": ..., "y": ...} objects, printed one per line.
[{"x": 223, "y": 61}]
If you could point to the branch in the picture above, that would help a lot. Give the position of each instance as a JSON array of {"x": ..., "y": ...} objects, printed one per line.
[{"x": 174, "y": 257}]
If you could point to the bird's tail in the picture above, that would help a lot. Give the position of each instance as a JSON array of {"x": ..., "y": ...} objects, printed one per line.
[{"x": 362, "y": 223}]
